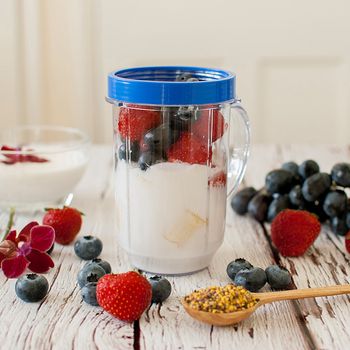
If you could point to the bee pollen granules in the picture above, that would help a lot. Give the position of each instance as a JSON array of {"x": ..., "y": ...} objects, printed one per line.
[{"x": 229, "y": 298}]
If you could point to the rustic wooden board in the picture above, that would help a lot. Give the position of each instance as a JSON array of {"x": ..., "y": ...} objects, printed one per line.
[
  {"x": 63, "y": 321},
  {"x": 326, "y": 263}
]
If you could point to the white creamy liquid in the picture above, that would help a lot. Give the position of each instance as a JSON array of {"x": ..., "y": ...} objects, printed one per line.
[
  {"x": 27, "y": 182},
  {"x": 169, "y": 220}
]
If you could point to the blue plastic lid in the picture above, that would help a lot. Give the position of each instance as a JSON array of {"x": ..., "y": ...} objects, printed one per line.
[{"x": 158, "y": 86}]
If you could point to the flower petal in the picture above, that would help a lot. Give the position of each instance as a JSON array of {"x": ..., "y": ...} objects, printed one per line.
[
  {"x": 14, "y": 267},
  {"x": 24, "y": 235},
  {"x": 8, "y": 249},
  {"x": 39, "y": 262},
  {"x": 42, "y": 237},
  {"x": 12, "y": 236},
  {"x": 2, "y": 257}
]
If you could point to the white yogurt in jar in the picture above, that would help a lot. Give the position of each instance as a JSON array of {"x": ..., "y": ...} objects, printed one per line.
[
  {"x": 169, "y": 219},
  {"x": 26, "y": 183}
]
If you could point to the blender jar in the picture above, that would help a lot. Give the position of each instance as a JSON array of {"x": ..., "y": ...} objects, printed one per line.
[{"x": 176, "y": 158}]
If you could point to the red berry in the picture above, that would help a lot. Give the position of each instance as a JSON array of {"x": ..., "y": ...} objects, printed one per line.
[
  {"x": 347, "y": 242},
  {"x": 66, "y": 223},
  {"x": 211, "y": 123},
  {"x": 293, "y": 231},
  {"x": 133, "y": 123},
  {"x": 125, "y": 295},
  {"x": 190, "y": 149},
  {"x": 218, "y": 180}
]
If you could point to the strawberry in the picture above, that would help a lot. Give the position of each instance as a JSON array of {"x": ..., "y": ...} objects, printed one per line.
[
  {"x": 210, "y": 121},
  {"x": 293, "y": 231},
  {"x": 218, "y": 180},
  {"x": 125, "y": 295},
  {"x": 347, "y": 242},
  {"x": 66, "y": 223},
  {"x": 190, "y": 149},
  {"x": 133, "y": 123}
]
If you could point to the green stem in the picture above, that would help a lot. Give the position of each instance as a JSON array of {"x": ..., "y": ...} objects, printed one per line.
[{"x": 9, "y": 224}]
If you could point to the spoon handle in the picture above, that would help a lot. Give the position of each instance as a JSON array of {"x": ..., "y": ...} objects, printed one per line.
[{"x": 270, "y": 297}]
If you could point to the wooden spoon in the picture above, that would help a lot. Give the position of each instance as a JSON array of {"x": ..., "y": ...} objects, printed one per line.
[{"x": 225, "y": 319}]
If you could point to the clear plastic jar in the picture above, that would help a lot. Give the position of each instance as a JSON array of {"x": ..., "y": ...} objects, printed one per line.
[{"x": 175, "y": 153}]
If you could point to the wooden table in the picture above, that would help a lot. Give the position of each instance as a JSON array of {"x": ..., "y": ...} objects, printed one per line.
[{"x": 63, "y": 321}]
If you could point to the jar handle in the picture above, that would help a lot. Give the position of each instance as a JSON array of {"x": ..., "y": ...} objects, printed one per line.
[{"x": 239, "y": 145}]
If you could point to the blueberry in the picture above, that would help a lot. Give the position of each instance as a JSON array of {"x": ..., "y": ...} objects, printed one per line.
[
  {"x": 160, "y": 138},
  {"x": 149, "y": 158},
  {"x": 104, "y": 264},
  {"x": 91, "y": 273},
  {"x": 133, "y": 151},
  {"x": 252, "y": 279},
  {"x": 88, "y": 293},
  {"x": 291, "y": 167},
  {"x": 278, "y": 277},
  {"x": 186, "y": 113},
  {"x": 145, "y": 160},
  {"x": 237, "y": 265},
  {"x": 258, "y": 206},
  {"x": 339, "y": 226},
  {"x": 308, "y": 168},
  {"x": 277, "y": 205},
  {"x": 315, "y": 186},
  {"x": 181, "y": 119},
  {"x": 341, "y": 174},
  {"x": 240, "y": 200},
  {"x": 31, "y": 288},
  {"x": 296, "y": 197},
  {"x": 183, "y": 77},
  {"x": 317, "y": 209},
  {"x": 279, "y": 181},
  {"x": 161, "y": 289},
  {"x": 88, "y": 247},
  {"x": 335, "y": 203},
  {"x": 348, "y": 220},
  {"x": 175, "y": 121}
]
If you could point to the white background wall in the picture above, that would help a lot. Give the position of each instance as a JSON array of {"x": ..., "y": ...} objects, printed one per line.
[{"x": 292, "y": 59}]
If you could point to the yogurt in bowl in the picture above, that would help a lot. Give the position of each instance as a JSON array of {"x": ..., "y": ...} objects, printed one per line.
[{"x": 40, "y": 165}]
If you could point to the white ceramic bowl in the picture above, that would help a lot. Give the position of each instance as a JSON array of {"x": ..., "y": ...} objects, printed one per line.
[{"x": 45, "y": 166}]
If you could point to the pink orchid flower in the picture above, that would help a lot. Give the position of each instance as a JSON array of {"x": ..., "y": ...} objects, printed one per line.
[{"x": 28, "y": 249}]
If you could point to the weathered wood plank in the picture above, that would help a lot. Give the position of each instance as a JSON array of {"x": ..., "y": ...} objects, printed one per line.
[
  {"x": 271, "y": 327},
  {"x": 62, "y": 321},
  {"x": 326, "y": 263}
]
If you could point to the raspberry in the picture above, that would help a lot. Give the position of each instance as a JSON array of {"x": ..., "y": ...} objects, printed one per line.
[
  {"x": 134, "y": 123},
  {"x": 293, "y": 231}
]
